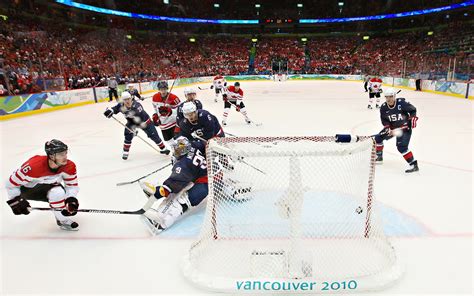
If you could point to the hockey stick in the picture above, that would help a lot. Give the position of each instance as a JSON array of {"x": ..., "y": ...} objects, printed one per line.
[
  {"x": 203, "y": 88},
  {"x": 251, "y": 121},
  {"x": 131, "y": 182},
  {"x": 133, "y": 132},
  {"x": 96, "y": 211}
]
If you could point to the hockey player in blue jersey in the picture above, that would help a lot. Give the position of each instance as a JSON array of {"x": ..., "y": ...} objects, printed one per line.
[
  {"x": 136, "y": 117},
  {"x": 134, "y": 92},
  {"x": 190, "y": 94},
  {"x": 398, "y": 118},
  {"x": 199, "y": 124},
  {"x": 186, "y": 187}
]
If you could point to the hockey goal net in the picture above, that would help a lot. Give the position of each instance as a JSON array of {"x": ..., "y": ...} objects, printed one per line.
[
  {"x": 285, "y": 213},
  {"x": 280, "y": 77}
]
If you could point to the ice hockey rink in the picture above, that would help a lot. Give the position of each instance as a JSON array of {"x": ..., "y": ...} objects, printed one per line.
[{"x": 427, "y": 215}]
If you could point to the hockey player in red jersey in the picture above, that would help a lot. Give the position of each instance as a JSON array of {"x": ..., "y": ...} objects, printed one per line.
[
  {"x": 49, "y": 178},
  {"x": 219, "y": 84},
  {"x": 375, "y": 89},
  {"x": 165, "y": 105},
  {"x": 233, "y": 95}
]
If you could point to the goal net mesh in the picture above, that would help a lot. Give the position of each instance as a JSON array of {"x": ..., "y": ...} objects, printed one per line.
[{"x": 291, "y": 208}]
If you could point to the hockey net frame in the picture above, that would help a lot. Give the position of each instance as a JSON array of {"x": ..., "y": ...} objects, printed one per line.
[{"x": 226, "y": 146}]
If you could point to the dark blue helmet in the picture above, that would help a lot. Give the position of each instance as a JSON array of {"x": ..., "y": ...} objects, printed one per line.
[
  {"x": 163, "y": 84},
  {"x": 237, "y": 84},
  {"x": 54, "y": 146}
]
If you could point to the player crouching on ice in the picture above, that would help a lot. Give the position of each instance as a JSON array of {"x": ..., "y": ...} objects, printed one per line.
[
  {"x": 49, "y": 178},
  {"x": 136, "y": 117},
  {"x": 186, "y": 187}
]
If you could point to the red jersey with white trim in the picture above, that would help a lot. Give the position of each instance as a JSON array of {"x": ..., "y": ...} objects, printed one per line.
[
  {"x": 166, "y": 109},
  {"x": 219, "y": 82},
  {"x": 234, "y": 95},
  {"x": 37, "y": 171},
  {"x": 375, "y": 85}
]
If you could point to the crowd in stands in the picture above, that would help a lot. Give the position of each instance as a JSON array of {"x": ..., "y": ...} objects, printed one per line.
[{"x": 45, "y": 55}]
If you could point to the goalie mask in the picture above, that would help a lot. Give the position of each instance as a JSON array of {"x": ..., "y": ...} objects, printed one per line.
[{"x": 181, "y": 147}]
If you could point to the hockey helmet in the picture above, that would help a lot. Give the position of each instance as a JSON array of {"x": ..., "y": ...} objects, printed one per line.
[
  {"x": 237, "y": 83},
  {"x": 390, "y": 92},
  {"x": 163, "y": 84},
  {"x": 54, "y": 146},
  {"x": 189, "y": 90},
  {"x": 126, "y": 95}
]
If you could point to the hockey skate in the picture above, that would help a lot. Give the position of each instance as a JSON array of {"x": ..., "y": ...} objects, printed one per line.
[
  {"x": 377, "y": 106},
  {"x": 125, "y": 155},
  {"x": 413, "y": 167},
  {"x": 379, "y": 158},
  {"x": 164, "y": 151},
  {"x": 68, "y": 225},
  {"x": 369, "y": 107},
  {"x": 224, "y": 122}
]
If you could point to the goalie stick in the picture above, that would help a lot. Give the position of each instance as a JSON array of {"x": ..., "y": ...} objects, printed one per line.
[{"x": 136, "y": 180}]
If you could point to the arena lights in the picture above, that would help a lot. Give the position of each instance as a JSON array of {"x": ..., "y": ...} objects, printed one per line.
[
  {"x": 153, "y": 17},
  {"x": 257, "y": 5},
  {"x": 299, "y": 5},
  {"x": 340, "y": 4},
  {"x": 4, "y": 17},
  {"x": 430, "y": 33},
  {"x": 128, "y": 36},
  {"x": 192, "y": 40},
  {"x": 389, "y": 16},
  {"x": 254, "y": 40},
  {"x": 366, "y": 37},
  {"x": 216, "y": 5},
  {"x": 166, "y": 1},
  {"x": 304, "y": 39}
]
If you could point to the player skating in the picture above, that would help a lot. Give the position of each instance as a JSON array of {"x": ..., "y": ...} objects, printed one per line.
[{"x": 136, "y": 118}]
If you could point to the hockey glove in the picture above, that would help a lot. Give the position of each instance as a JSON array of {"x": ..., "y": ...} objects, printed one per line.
[
  {"x": 224, "y": 97},
  {"x": 237, "y": 108},
  {"x": 161, "y": 192},
  {"x": 72, "y": 204},
  {"x": 385, "y": 132},
  {"x": 108, "y": 113},
  {"x": 156, "y": 119},
  {"x": 19, "y": 205},
  {"x": 164, "y": 111},
  {"x": 414, "y": 119}
]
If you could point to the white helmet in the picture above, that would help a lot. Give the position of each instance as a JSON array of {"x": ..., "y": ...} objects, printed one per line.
[
  {"x": 126, "y": 95},
  {"x": 390, "y": 92},
  {"x": 189, "y": 107},
  {"x": 189, "y": 90}
]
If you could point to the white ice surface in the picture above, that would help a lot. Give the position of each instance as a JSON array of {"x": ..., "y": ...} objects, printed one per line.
[{"x": 428, "y": 214}]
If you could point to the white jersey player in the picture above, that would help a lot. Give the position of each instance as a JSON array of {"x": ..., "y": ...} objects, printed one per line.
[
  {"x": 233, "y": 96},
  {"x": 218, "y": 84},
  {"x": 49, "y": 178},
  {"x": 375, "y": 89}
]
